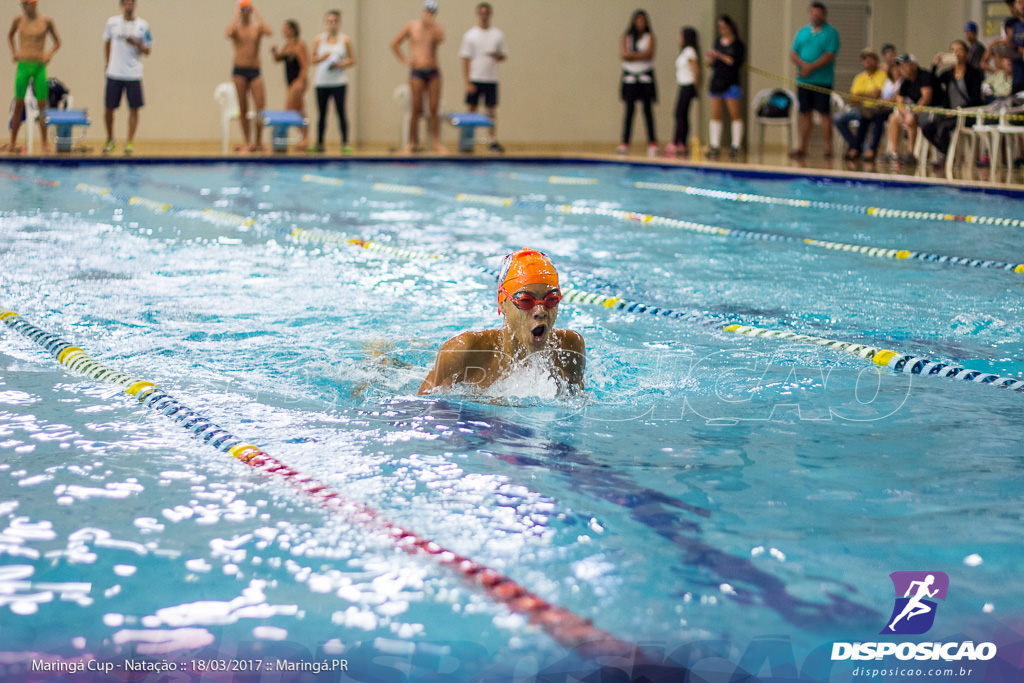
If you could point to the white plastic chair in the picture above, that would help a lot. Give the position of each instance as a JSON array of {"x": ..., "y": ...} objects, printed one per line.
[
  {"x": 968, "y": 137},
  {"x": 774, "y": 122},
  {"x": 1007, "y": 133},
  {"x": 31, "y": 116},
  {"x": 403, "y": 96},
  {"x": 226, "y": 95}
]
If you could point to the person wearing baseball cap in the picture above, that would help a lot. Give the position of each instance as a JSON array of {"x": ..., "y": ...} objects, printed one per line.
[
  {"x": 864, "y": 109},
  {"x": 528, "y": 297},
  {"x": 975, "y": 48},
  {"x": 916, "y": 89}
]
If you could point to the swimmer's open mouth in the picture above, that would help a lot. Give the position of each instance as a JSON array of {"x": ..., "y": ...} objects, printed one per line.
[{"x": 538, "y": 332}]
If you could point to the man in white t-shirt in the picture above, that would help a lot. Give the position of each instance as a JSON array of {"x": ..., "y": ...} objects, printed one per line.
[
  {"x": 126, "y": 40},
  {"x": 483, "y": 47}
]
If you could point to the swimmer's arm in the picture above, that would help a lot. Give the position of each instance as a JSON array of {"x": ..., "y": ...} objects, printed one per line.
[
  {"x": 303, "y": 55},
  {"x": 452, "y": 364},
  {"x": 10, "y": 38},
  {"x": 51, "y": 27},
  {"x": 397, "y": 42},
  {"x": 573, "y": 359}
]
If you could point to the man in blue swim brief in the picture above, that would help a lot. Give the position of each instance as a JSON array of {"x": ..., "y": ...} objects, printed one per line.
[
  {"x": 424, "y": 36},
  {"x": 246, "y": 31}
]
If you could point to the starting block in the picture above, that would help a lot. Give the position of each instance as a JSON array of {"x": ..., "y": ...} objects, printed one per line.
[
  {"x": 281, "y": 122},
  {"x": 467, "y": 124},
  {"x": 65, "y": 121}
]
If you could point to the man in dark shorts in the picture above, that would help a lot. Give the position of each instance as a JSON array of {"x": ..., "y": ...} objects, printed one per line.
[
  {"x": 814, "y": 52},
  {"x": 126, "y": 39},
  {"x": 245, "y": 32},
  {"x": 483, "y": 46}
]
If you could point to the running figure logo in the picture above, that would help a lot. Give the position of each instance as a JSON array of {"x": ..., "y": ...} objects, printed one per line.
[{"x": 914, "y": 612}]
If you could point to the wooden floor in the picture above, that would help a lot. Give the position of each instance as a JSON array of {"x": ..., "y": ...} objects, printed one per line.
[{"x": 773, "y": 159}]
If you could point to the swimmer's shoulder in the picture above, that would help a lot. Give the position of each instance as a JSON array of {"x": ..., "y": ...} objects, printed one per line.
[
  {"x": 474, "y": 340},
  {"x": 569, "y": 340}
]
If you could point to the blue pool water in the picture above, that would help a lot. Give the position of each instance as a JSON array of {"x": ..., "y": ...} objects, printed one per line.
[{"x": 712, "y": 494}]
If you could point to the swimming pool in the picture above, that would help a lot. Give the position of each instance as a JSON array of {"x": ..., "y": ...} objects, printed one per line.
[{"x": 727, "y": 502}]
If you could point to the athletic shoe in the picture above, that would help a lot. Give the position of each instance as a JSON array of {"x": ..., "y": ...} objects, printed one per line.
[
  {"x": 652, "y": 150},
  {"x": 622, "y": 149},
  {"x": 713, "y": 152},
  {"x": 734, "y": 153},
  {"x": 346, "y": 150},
  {"x": 129, "y": 147},
  {"x": 109, "y": 147}
]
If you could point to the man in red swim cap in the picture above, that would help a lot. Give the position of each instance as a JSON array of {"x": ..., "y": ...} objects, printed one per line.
[{"x": 528, "y": 297}]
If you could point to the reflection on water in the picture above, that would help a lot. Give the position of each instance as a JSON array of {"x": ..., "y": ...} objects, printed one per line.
[{"x": 706, "y": 487}]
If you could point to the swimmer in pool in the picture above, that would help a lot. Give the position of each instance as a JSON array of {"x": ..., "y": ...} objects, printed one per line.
[{"x": 528, "y": 297}]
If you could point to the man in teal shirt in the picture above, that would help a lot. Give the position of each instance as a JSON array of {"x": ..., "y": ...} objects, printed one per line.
[{"x": 814, "y": 54}]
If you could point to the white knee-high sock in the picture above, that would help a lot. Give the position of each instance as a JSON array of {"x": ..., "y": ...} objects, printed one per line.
[
  {"x": 715, "y": 130},
  {"x": 737, "y": 134}
]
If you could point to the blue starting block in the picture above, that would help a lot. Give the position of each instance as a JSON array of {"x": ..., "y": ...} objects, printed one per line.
[
  {"x": 281, "y": 122},
  {"x": 65, "y": 121},
  {"x": 467, "y": 124}
]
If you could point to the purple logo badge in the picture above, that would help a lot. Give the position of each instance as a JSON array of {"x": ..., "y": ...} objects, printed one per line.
[{"x": 916, "y": 592}]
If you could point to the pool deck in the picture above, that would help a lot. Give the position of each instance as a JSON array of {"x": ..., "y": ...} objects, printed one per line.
[{"x": 774, "y": 160}]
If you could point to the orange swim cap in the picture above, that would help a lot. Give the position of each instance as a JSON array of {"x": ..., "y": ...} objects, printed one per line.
[
  {"x": 244, "y": 3},
  {"x": 525, "y": 267}
]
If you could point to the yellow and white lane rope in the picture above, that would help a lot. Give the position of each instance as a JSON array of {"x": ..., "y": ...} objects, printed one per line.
[
  {"x": 873, "y": 211},
  {"x": 899, "y": 254}
]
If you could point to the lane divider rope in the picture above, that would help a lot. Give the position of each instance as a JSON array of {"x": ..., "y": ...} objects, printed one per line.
[
  {"x": 37, "y": 181},
  {"x": 874, "y": 211},
  {"x": 566, "y": 628},
  {"x": 893, "y": 360},
  {"x": 645, "y": 218},
  {"x": 899, "y": 363}
]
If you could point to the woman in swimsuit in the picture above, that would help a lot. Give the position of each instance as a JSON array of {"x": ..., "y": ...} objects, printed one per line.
[{"x": 295, "y": 56}]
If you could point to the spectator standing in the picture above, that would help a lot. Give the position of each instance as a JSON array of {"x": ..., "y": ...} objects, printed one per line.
[
  {"x": 726, "y": 60},
  {"x": 332, "y": 55},
  {"x": 688, "y": 79},
  {"x": 483, "y": 47},
  {"x": 126, "y": 39},
  {"x": 638, "y": 85},
  {"x": 814, "y": 52}
]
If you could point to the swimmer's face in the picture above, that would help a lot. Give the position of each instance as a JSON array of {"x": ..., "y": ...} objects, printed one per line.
[{"x": 532, "y": 327}]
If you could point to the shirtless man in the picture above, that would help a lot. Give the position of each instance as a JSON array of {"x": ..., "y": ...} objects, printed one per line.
[
  {"x": 31, "y": 57},
  {"x": 528, "y": 297},
  {"x": 245, "y": 32},
  {"x": 424, "y": 35}
]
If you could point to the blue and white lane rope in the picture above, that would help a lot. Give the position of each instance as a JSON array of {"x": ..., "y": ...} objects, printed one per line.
[
  {"x": 700, "y": 228},
  {"x": 893, "y": 360},
  {"x": 566, "y": 628},
  {"x": 874, "y": 211}
]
